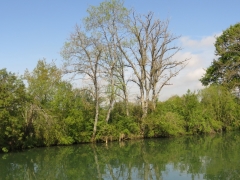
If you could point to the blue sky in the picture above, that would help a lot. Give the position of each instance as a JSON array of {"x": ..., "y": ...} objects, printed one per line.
[{"x": 34, "y": 29}]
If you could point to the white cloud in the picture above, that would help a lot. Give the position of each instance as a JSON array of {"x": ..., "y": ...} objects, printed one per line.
[
  {"x": 194, "y": 59},
  {"x": 203, "y": 43},
  {"x": 201, "y": 53},
  {"x": 195, "y": 74}
]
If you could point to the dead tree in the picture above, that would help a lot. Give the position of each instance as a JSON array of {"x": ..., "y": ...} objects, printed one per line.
[{"x": 149, "y": 53}]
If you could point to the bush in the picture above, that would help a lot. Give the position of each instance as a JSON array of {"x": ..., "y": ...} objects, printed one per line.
[{"x": 164, "y": 125}]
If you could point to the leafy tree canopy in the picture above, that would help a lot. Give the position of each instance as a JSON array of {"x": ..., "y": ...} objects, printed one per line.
[{"x": 225, "y": 69}]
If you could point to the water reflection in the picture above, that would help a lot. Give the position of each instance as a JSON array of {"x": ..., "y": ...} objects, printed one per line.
[{"x": 210, "y": 157}]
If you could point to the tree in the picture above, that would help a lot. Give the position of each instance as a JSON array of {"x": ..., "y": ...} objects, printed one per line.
[
  {"x": 12, "y": 102},
  {"x": 108, "y": 19},
  {"x": 225, "y": 70},
  {"x": 149, "y": 54},
  {"x": 43, "y": 82},
  {"x": 51, "y": 104},
  {"x": 57, "y": 112},
  {"x": 82, "y": 56}
]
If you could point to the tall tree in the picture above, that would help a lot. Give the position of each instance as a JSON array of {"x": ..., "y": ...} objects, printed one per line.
[
  {"x": 108, "y": 19},
  {"x": 82, "y": 56},
  {"x": 225, "y": 70},
  {"x": 150, "y": 54}
]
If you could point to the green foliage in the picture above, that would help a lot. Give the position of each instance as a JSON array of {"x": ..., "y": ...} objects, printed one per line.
[
  {"x": 119, "y": 125},
  {"x": 188, "y": 108},
  {"x": 44, "y": 83},
  {"x": 166, "y": 120},
  {"x": 12, "y": 101},
  {"x": 126, "y": 124},
  {"x": 78, "y": 122},
  {"x": 105, "y": 13},
  {"x": 106, "y": 132},
  {"x": 61, "y": 114},
  {"x": 225, "y": 70},
  {"x": 210, "y": 110},
  {"x": 220, "y": 105},
  {"x": 193, "y": 115},
  {"x": 51, "y": 112}
]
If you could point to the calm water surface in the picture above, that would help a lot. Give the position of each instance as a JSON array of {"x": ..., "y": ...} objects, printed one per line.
[{"x": 209, "y": 157}]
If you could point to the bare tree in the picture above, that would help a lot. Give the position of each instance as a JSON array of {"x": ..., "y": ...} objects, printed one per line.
[
  {"x": 149, "y": 52},
  {"x": 82, "y": 56}
]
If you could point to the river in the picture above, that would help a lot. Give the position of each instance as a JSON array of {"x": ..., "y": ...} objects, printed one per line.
[{"x": 191, "y": 157}]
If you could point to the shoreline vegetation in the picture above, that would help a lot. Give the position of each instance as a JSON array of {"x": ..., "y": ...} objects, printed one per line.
[
  {"x": 59, "y": 114},
  {"x": 114, "y": 49}
]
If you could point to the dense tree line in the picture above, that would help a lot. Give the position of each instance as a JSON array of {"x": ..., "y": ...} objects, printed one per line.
[{"x": 48, "y": 110}]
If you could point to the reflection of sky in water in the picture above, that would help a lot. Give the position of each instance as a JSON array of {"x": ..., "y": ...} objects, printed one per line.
[
  {"x": 173, "y": 174},
  {"x": 170, "y": 173}
]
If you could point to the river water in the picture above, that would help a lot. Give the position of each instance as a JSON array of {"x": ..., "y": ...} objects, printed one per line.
[{"x": 199, "y": 157}]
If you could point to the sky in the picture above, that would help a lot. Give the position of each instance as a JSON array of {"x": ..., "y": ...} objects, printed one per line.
[{"x": 35, "y": 29}]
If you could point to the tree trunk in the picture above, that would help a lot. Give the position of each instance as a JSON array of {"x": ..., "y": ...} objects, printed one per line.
[
  {"x": 112, "y": 95},
  {"x": 154, "y": 97},
  {"x": 96, "y": 111},
  {"x": 125, "y": 97},
  {"x": 112, "y": 102},
  {"x": 145, "y": 108},
  {"x": 126, "y": 105}
]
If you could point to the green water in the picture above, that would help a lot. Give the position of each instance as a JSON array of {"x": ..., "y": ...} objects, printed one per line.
[{"x": 202, "y": 157}]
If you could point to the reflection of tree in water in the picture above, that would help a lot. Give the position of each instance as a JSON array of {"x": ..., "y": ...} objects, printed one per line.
[{"x": 211, "y": 157}]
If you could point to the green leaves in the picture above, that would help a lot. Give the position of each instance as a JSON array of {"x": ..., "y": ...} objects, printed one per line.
[
  {"x": 213, "y": 109},
  {"x": 166, "y": 124},
  {"x": 12, "y": 102},
  {"x": 226, "y": 69},
  {"x": 221, "y": 106},
  {"x": 107, "y": 12}
]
